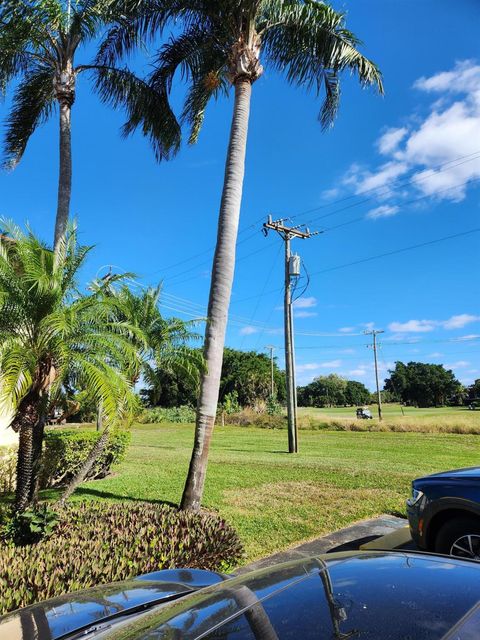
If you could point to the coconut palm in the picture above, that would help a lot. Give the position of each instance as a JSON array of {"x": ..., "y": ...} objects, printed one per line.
[
  {"x": 49, "y": 332},
  {"x": 39, "y": 44},
  {"x": 221, "y": 45}
]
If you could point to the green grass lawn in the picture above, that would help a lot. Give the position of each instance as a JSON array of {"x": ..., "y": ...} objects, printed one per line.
[
  {"x": 392, "y": 410},
  {"x": 274, "y": 499}
]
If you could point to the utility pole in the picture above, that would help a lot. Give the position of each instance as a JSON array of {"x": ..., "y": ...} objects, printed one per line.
[
  {"x": 374, "y": 333},
  {"x": 292, "y": 270},
  {"x": 271, "y": 348}
]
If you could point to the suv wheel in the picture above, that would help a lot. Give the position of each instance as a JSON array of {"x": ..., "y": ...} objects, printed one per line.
[{"x": 460, "y": 538}]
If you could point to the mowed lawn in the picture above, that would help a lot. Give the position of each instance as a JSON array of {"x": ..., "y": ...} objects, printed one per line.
[
  {"x": 274, "y": 499},
  {"x": 393, "y": 410}
]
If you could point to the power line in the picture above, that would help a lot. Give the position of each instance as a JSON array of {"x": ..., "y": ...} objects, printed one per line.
[
  {"x": 396, "y": 251},
  {"x": 394, "y": 185}
]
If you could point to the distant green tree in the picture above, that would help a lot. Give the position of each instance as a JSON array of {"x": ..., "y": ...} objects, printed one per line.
[
  {"x": 170, "y": 388},
  {"x": 356, "y": 393},
  {"x": 248, "y": 373},
  {"x": 423, "y": 385},
  {"x": 324, "y": 391},
  {"x": 474, "y": 392}
]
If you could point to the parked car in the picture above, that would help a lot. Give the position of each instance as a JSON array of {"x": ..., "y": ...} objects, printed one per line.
[
  {"x": 369, "y": 595},
  {"x": 444, "y": 512}
]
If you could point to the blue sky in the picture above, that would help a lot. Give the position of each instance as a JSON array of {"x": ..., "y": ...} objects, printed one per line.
[{"x": 394, "y": 172}]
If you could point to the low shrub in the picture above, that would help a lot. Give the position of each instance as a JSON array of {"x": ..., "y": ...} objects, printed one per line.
[
  {"x": 183, "y": 414},
  {"x": 30, "y": 526},
  {"x": 250, "y": 418},
  {"x": 65, "y": 450},
  {"x": 98, "y": 542},
  {"x": 8, "y": 466}
]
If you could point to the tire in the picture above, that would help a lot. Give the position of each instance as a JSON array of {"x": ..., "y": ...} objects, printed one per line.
[{"x": 460, "y": 538}]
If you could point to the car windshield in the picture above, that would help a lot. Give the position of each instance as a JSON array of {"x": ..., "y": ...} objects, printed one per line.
[{"x": 389, "y": 598}]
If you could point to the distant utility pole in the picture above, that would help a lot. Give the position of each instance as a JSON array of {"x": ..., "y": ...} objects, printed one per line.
[
  {"x": 374, "y": 333},
  {"x": 292, "y": 270},
  {"x": 271, "y": 348}
]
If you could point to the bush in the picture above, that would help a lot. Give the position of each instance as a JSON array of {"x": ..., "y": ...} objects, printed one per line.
[
  {"x": 183, "y": 414},
  {"x": 8, "y": 466},
  {"x": 30, "y": 525},
  {"x": 65, "y": 450},
  {"x": 98, "y": 542},
  {"x": 251, "y": 418}
]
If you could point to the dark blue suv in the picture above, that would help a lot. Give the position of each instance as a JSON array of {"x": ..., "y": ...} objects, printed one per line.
[{"x": 444, "y": 512}]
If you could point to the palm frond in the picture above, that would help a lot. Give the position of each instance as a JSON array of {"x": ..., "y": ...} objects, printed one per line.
[
  {"x": 308, "y": 42},
  {"x": 147, "y": 108},
  {"x": 33, "y": 103}
]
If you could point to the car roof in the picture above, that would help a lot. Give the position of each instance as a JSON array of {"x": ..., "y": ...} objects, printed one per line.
[{"x": 388, "y": 596}]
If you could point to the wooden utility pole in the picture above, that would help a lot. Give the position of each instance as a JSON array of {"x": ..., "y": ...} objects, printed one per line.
[
  {"x": 374, "y": 333},
  {"x": 287, "y": 233},
  {"x": 271, "y": 348}
]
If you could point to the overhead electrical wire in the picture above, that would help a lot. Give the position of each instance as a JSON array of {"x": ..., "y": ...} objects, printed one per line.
[{"x": 396, "y": 184}]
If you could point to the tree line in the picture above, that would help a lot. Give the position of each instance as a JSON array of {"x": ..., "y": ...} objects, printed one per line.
[{"x": 417, "y": 384}]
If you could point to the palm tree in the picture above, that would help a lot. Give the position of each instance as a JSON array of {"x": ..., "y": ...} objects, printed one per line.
[
  {"x": 162, "y": 344},
  {"x": 166, "y": 340},
  {"x": 220, "y": 45},
  {"x": 39, "y": 42},
  {"x": 50, "y": 332}
]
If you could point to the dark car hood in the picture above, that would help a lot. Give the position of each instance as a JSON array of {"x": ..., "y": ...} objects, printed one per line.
[
  {"x": 55, "y": 618},
  {"x": 367, "y": 595},
  {"x": 469, "y": 473}
]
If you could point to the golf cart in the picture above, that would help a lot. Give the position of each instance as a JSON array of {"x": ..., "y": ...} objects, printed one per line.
[{"x": 364, "y": 414}]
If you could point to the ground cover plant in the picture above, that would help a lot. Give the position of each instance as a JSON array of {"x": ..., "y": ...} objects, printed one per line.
[
  {"x": 275, "y": 500},
  {"x": 96, "y": 543}
]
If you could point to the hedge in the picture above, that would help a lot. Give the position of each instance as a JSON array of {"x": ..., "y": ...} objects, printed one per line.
[
  {"x": 65, "y": 450},
  {"x": 99, "y": 542},
  {"x": 183, "y": 414}
]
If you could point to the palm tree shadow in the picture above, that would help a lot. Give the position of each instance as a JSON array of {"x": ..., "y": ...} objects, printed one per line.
[{"x": 96, "y": 493}]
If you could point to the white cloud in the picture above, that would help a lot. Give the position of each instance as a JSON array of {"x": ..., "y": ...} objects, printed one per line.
[
  {"x": 423, "y": 326},
  {"x": 470, "y": 336},
  {"x": 305, "y": 314},
  {"x": 305, "y": 303},
  {"x": 363, "y": 180},
  {"x": 359, "y": 371},
  {"x": 464, "y": 77},
  {"x": 346, "y": 329},
  {"x": 413, "y": 326},
  {"x": 460, "y": 321},
  {"x": 435, "y": 354},
  {"x": 308, "y": 366},
  {"x": 438, "y": 150},
  {"x": 383, "y": 211},
  {"x": 390, "y": 140},
  {"x": 248, "y": 330},
  {"x": 331, "y": 364},
  {"x": 460, "y": 364},
  {"x": 329, "y": 194}
]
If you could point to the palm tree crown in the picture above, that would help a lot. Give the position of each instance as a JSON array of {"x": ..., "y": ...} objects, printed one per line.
[
  {"x": 39, "y": 43},
  {"x": 221, "y": 42},
  {"x": 50, "y": 333}
]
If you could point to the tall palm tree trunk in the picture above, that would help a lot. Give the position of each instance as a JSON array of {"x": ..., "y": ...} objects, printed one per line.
[
  {"x": 220, "y": 291},
  {"x": 65, "y": 171}
]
